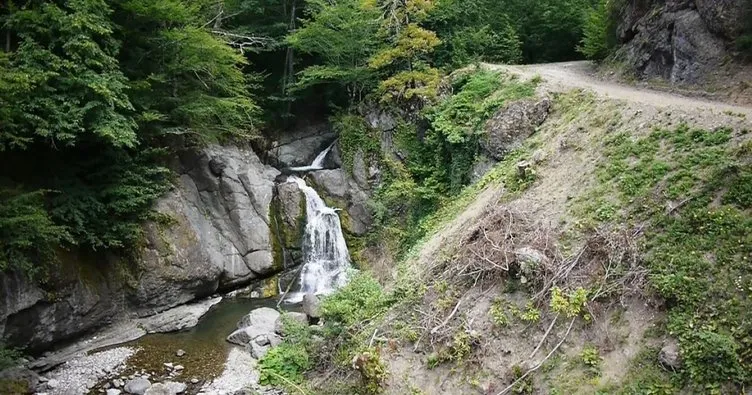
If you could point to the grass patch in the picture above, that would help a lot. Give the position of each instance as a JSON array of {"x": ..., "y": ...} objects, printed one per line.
[{"x": 693, "y": 187}]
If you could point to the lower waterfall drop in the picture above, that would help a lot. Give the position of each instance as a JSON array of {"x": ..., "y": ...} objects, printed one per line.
[{"x": 326, "y": 258}]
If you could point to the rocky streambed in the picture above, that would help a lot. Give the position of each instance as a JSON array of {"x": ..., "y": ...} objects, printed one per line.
[{"x": 216, "y": 355}]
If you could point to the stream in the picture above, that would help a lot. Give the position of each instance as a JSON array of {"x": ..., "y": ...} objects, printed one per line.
[{"x": 205, "y": 346}]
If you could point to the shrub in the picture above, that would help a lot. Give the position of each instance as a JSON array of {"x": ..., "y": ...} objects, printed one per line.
[
  {"x": 362, "y": 298},
  {"x": 8, "y": 356}
]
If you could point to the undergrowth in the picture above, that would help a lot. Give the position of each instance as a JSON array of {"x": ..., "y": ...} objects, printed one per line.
[
  {"x": 342, "y": 345},
  {"x": 693, "y": 187}
]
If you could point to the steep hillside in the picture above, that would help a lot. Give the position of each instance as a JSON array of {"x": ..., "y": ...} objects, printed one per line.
[{"x": 607, "y": 254}]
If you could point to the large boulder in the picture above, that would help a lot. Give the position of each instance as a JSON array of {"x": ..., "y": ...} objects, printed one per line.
[
  {"x": 312, "y": 306},
  {"x": 137, "y": 386},
  {"x": 337, "y": 187},
  {"x": 290, "y": 220},
  {"x": 512, "y": 124},
  {"x": 219, "y": 235},
  {"x": 259, "y": 322}
]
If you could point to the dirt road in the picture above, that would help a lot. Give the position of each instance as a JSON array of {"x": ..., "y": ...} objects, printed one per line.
[{"x": 581, "y": 75}]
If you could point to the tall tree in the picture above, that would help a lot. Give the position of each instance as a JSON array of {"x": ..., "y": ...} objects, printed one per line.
[
  {"x": 405, "y": 60},
  {"x": 343, "y": 36}
]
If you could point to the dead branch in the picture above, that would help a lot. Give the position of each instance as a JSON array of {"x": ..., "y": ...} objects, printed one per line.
[
  {"x": 436, "y": 329},
  {"x": 536, "y": 367}
]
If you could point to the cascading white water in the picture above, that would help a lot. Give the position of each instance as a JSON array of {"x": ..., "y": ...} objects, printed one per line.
[
  {"x": 317, "y": 163},
  {"x": 326, "y": 258}
]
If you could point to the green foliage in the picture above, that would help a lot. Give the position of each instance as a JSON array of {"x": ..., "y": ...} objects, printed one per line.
[
  {"x": 531, "y": 313},
  {"x": 286, "y": 361},
  {"x": 289, "y": 360},
  {"x": 62, "y": 84},
  {"x": 498, "y": 313},
  {"x": 362, "y": 298},
  {"x": 343, "y": 35},
  {"x": 8, "y": 356},
  {"x": 697, "y": 252},
  {"x": 404, "y": 62},
  {"x": 570, "y": 305},
  {"x": 591, "y": 358},
  {"x": 372, "y": 370},
  {"x": 531, "y": 32},
  {"x": 598, "y": 39},
  {"x": 355, "y": 136},
  {"x": 84, "y": 117},
  {"x": 27, "y": 233}
]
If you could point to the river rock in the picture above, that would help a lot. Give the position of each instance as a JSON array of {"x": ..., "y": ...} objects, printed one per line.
[
  {"x": 113, "y": 391},
  {"x": 137, "y": 386},
  {"x": 258, "y": 351},
  {"x": 179, "y": 353},
  {"x": 179, "y": 318},
  {"x": 312, "y": 306},
  {"x": 259, "y": 322},
  {"x": 512, "y": 124},
  {"x": 279, "y": 325}
]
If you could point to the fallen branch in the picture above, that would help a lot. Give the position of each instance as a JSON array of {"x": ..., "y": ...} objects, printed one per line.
[
  {"x": 436, "y": 329},
  {"x": 544, "y": 336},
  {"x": 536, "y": 367}
]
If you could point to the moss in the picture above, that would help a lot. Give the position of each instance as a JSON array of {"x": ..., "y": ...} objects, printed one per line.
[
  {"x": 270, "y": 287},
  {"x": 14, "y": 387}
]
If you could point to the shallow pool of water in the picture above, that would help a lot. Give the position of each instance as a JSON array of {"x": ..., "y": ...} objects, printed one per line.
[{"x": 205, "y": 345}]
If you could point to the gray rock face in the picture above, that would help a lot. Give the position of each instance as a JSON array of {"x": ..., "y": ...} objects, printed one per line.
[
  {"x": 312, "y": 306},
  {"x": 512, "y": 124},
  {"x": 338, "y": 186},
  {"x": 80, "y": 305},
  {"x": 723, "y": 17},
  {"x": 218, "y": 237},
  {"x": 300, "y": 147},
  {"x": 678, "y": 40},
  {"x": 137, "y": 386}
]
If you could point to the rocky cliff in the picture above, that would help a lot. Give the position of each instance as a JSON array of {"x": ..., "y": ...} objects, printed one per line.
[
  {"x": 214, "y": 234},
  {"x": 229, "y": 220},
  {"x": 683, "y": 41}
]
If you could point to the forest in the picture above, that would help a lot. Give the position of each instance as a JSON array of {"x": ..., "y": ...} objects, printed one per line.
[{"x": 95, "y": 96}]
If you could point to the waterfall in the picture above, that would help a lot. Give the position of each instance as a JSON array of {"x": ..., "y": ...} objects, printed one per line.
[
  {"x": 317, "y": 163},
  {"x": 326, "y": 258}
]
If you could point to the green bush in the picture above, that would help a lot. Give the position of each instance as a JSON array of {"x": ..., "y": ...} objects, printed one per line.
[
  {"x": 8, "y": 356},
  {"x": 361, "y": 299},
  {"x": 288, "y": 362},
  {"x": 597, "y": 38}
]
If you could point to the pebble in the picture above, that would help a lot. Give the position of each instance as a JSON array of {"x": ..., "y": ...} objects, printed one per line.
[
  {"x": 194, "y": 381},
  {"x": 168, "y": 365},
  {"x": 180, "y": 353},
  {"x": 179, "y": 367}
]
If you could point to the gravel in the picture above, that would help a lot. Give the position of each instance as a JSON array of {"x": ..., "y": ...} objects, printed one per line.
[
  {"x": 83, "y": 372},
  {"x": 240, "y": 372}
]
